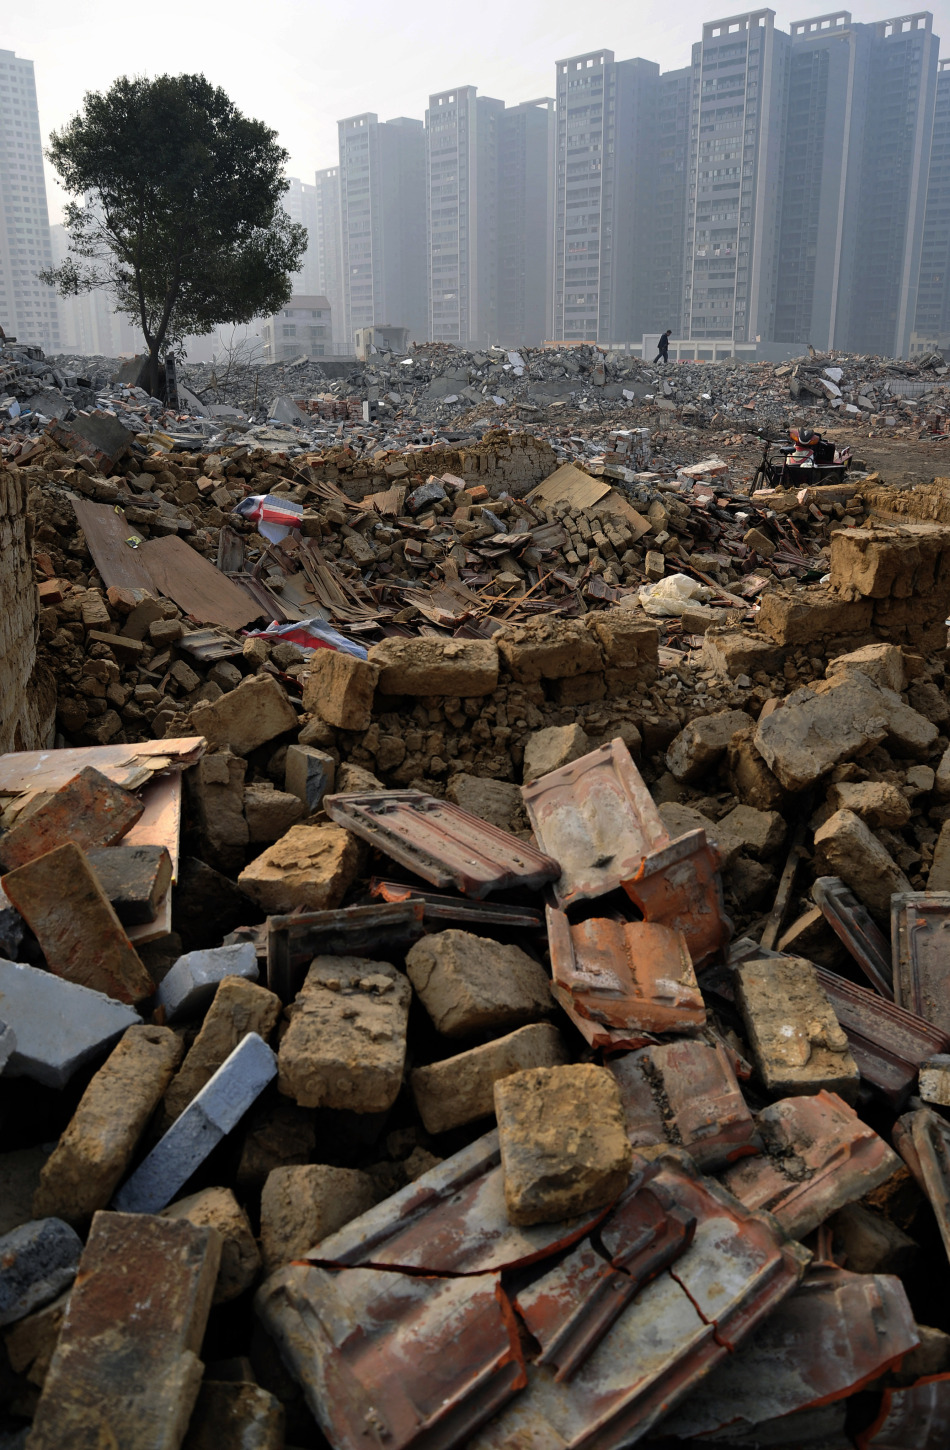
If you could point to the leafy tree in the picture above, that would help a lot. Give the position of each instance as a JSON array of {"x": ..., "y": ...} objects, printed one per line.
[{"x": 176, "y": 209}]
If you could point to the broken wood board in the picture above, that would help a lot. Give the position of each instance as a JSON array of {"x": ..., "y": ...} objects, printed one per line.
[
  {"x": 107, "y": 533},
  {"x": 195, "y": 585},
  {"x": 160, "y": 821},
  {"x": 166, "y": 566},
  {"x": 130, "y": 765},
  {"x": 571, "y": 486}
]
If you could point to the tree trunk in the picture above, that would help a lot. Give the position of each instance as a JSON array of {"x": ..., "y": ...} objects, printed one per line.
[{"x": 153, "y": 368}]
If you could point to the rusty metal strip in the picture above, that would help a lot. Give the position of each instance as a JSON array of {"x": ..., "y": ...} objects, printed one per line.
[
  {"x": 452, "y": 1220},
  {"x": 625, "y": 975},
  {"x": 683, "y": 1323},
  {"x": 395, "y": 1360},
  {"x": 685, "y": 1094},
  {"x": 833, "y": 1335},
  {"x": 819, "y": 1156},
  {"x": 920, "y": 940},
  {"x": 574, "y": 1306},
  {"x": 361, "y": 931},
  {"x": 854, "y": 925},
  {"x": 679, "y": 886},
  {"x": 922, "y": 1139},
  {"x": 441, "y": 843},
  {"x": 441, "y": 911},
  {"x": 598, "y": 819},
  {"x": 917, "y": 1416}
]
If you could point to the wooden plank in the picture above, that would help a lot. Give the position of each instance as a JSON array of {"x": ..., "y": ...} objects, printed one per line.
[
  {"x": 196, "y": 586},
  {"x": 106, "y": 531},
  {"x": 127, "y": 765},
  {"x": 160, "y": 822},
  {"x": 230, "y": 551},
  {"x": 569, "y": 485}
]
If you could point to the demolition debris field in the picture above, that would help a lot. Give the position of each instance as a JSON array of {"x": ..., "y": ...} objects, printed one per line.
[{"x": 474, "y": 891}]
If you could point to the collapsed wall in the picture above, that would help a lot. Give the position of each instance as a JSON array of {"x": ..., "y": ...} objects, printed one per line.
[{"x": 28, "y": 697}]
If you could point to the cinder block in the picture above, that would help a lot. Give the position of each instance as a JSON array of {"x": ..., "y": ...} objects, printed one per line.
[
  {"x": 97, "y": 1146},
  {"x": 126, "y": 1370},
  {"x": 73, "y": 920},
  {"x": 58, "y": 1025},
  {"x": 134, "y": 878},
  {"x": 309, "y": 775},
  {"x": 89, "y": 810},
  {"x": 192, "y": 982},
  {"x": 38, "y": 1261},
  {"x": 217, "y": 1109}
]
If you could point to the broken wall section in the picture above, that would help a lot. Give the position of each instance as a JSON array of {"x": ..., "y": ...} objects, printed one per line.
[{"x": 28, "y": 696}]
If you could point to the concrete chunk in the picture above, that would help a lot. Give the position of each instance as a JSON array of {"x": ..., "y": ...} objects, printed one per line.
[
  {"x": 882, "y": 663},
  {"x": 302, "y": 1206},
  {"x": 89, "y": 810},
  {"x": 702, "y": 743},
  {"x": 7, "y": 1044},
  {"x": 270, "y": 813},
  {"x": 795, "y": 1037},
  {"x": 496, "y": 801},
  {"x": 757, "y": 833},
  {"x": 309, "y": 775},
  {"x": 563, "y": 1138},
  {"x": 461, "y": 1089},
  {"x": 192, "y": 982},
  {"x": 876, "y": 801},
  {"x": 239, "y": 1007},
  {"x": 257, "y": 711},
  {"x": 346, "y": 1043},
  {"x": 38, "y": 1261},
  {"x": 429, "y": 666},
  {"x": 97, "y": 1146},
  {"x": 76, "y": 926},
  {"x": 134, "y": 878},
  {"x": 845, "y": 847},
  {"x": 811, "y": 734},
  {"x": 339, "y": 689},
  {"x": 311, "y": 867},
  {"x": 217, "y": 1208},
  {"x": 471, "y": 983},
  {"x": 58, "y": 1026},
  {"x": 549, "y": 749},
  {"x": 217, "y": 1109},
  {"x": 126, "y": 1370}
]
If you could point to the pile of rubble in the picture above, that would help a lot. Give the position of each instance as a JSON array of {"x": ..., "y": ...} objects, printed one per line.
[{"x": 472, "y": 968}]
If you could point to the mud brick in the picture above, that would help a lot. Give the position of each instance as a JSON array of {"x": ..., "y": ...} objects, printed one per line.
[
  {"x": 58, "y": 1026},
  {"x": 38, "y": 1261},
  {"x": 193, "y": 980},
  {"x": 89, "y": 810},
  {"x": 135, "y": 879},
  {"x": 217, "y": 1208},
  {"x": 126, "y": 1370},
  {"x": 461, "y": 1089},
  {"x": 793, "y": 1032},
  {"x": 97, "y": 1146},
  {"x": 339, "y": 689},
  {"x": 209, "y": 1117},
  {"x": 128, "y": 651},
  {"x": 235, "y": 1414},
  {"x": 239, "y": 1007},
  {"x": 51, "y": 591},
  {"x": 76, "y": 926}
]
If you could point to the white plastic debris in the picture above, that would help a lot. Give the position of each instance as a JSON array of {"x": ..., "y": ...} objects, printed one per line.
[{"x": 672, "y": 596}]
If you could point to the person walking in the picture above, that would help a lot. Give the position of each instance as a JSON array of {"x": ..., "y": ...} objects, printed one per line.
[{"x": 664, "y": 347}]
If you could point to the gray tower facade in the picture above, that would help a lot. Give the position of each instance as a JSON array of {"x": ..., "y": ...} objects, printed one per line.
[
  {"x": 382, "y": 223},
  {"x": 740, "y": 72},
  {"x": 28, "y": 310},
  {"x": 525, "y": 214},
  {"x": 933, "y": 292},
  {"x": 330, "y": 252}
]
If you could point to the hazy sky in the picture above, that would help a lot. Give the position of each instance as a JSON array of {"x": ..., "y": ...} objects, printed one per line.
[{"x": 301, "y": 65}]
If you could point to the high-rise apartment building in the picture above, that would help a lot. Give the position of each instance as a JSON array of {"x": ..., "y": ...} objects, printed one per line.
[
  {"x": 526, "y": 138},
  {"x": 877, "y": 303},
  {"x": 605, "y": 195},
  {"x": 330, "y": 252},
  {"x": 933, "y": 291},
  {"x": 667, "y": 239},
  {"x": 829, "y": 72},
  {"x": 740, "y": 72},
  {"x": 462, "y": 149},
  {"x": 382, "y": 220},
  {"x": 28, "y": 309},
  {"x": 300, "y": 203}
]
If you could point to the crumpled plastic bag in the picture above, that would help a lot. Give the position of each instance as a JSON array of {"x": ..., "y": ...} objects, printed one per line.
[{"x": 672, "y": 596}]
